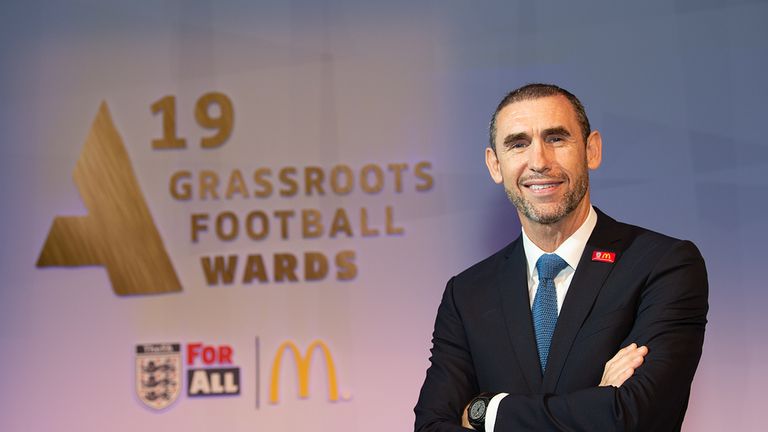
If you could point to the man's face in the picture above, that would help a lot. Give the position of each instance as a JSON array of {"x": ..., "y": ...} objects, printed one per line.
[{"x": 542, "y": 159}]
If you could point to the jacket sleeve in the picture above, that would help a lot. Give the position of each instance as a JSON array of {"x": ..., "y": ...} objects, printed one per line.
[
  {"x": 450, "y": 381},
  {"x": 670, "y": 321}
]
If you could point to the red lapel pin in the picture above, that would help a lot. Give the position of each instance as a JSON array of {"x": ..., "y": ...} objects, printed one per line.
[{"x": 604, "y": 256}]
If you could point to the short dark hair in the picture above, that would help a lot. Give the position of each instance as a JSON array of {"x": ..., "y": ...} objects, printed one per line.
[{"x": 536, "y": 91}]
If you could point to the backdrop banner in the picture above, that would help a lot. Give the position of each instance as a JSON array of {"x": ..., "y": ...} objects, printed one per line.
[{"x": 241, "y": 216}]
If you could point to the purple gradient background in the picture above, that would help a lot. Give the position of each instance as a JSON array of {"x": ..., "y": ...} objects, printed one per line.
[{"x": 676, "y": 88}]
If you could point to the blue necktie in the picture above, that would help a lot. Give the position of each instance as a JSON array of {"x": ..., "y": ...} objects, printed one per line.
[{"x": 545, "y": 303}]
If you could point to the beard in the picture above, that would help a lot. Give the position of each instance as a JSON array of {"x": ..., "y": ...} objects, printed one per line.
[{"x": 563, "y": 208}]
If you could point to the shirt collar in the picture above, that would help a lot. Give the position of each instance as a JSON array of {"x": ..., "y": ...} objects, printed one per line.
[{"x": 571, "y": 249}]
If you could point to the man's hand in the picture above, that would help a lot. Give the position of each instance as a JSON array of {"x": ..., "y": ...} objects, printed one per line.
[
  {"x": 623, "y": 365},
  {"x": 465, "y": 419}
]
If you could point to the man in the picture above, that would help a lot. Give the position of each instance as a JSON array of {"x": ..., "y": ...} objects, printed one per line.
[{"x": 532, "y": 336}]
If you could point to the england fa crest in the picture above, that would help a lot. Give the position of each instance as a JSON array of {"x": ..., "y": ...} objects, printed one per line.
[{"x": 158, "y": 374}]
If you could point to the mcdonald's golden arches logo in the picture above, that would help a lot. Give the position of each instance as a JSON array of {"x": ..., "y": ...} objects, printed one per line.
[{"x": 303, "y": 363}]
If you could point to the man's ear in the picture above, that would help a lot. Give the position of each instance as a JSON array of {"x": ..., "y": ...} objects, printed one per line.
[
  {"x": 594, "y": 150},
  {"x": 492, "y": 162}
]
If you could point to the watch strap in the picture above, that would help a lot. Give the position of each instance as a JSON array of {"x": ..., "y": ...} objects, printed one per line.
[{"x": 477, "y": 410}]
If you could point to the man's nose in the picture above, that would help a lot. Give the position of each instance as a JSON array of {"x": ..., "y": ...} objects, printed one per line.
[{"x": 539, "y": 156}]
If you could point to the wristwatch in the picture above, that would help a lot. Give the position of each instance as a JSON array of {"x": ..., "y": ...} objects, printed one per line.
[{"x": 476, "y": 410}]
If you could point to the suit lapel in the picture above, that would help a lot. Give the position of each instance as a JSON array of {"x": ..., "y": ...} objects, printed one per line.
[
  {"x": 585, "y": 286},
  {"x": 512, "y": 283}
]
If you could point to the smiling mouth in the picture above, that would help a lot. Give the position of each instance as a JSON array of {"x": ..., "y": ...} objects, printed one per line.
[{"x": 542, "y": 187}]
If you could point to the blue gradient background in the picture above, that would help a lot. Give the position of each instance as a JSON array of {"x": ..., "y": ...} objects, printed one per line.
[{"x": 677, "y": 89}]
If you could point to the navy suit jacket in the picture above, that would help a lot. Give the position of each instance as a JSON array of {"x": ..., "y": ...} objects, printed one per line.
[{"x": 654, "y": 294}]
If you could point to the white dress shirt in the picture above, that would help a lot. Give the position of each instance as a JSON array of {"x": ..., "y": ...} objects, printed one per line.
[{"x": 570, "y": 251}]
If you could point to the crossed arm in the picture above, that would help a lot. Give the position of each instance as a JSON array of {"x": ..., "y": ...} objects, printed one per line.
[
  {"x": 617, "y": 370},
  {"x": 669, "y": 319}
]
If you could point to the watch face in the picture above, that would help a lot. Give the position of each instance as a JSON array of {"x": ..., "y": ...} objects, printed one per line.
[{"x": 477, "y": 409}]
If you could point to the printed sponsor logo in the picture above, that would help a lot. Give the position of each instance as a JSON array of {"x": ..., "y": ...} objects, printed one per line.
[
  {"x": 303, "y": 363},
  {"x": 209, "y": 381},
  {"x": 158, "y": 369},
  {"x": 211, "y": 371}
]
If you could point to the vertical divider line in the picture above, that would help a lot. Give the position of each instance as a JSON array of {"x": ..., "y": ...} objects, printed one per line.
[{"x": 258, "y": 373}]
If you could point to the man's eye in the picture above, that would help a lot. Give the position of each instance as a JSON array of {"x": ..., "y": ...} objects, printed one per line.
[
  {"x": 517, "y": 145},
  {"x": 554, "y": 138}
]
